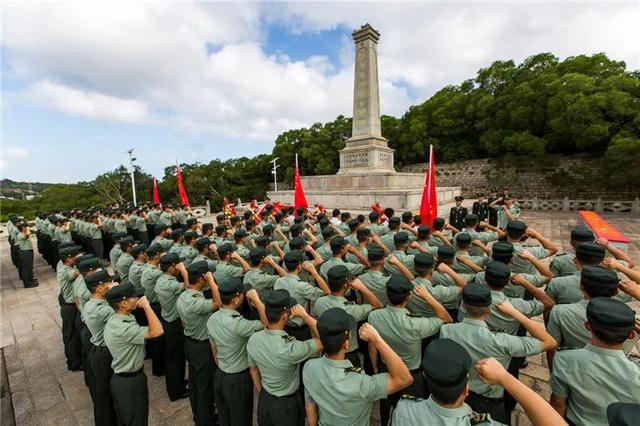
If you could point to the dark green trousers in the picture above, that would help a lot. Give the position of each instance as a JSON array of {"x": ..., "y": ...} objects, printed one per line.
[
  {"x": 131, "y": 398},
  {"x": 201, "y": 380},
  {"x": 70, "y": 334},
  {"x": 174, "y": 358},
  {"x": 280, "y": 410},
  {"x": 104, "y": 412},
  {"x": 234, "y": 398}
]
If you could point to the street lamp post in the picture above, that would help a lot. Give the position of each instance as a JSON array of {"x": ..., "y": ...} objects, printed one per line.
[
  {"x": 274, "y": 172},
  {"x": 133, "y": 179}
]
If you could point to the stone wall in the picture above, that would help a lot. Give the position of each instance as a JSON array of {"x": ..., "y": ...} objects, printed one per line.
[{"x": 560, "y": 176}]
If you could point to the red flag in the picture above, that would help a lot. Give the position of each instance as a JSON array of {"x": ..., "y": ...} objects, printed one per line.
[
  {"x": 299, "y": 199},
  {"x": 183, "y": 194},
  {"x": 429, "y": 206},
  {"x": 156, "y": 197}
]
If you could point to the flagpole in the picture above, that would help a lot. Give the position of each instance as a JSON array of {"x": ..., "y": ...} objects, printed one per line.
[{"x": 296, "y": 161}]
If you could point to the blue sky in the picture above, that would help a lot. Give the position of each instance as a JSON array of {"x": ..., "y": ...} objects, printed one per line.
[{"x": 197, "y": 81}]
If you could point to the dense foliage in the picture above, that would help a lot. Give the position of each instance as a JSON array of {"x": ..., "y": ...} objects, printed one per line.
[{"x": 584, "y": 104}]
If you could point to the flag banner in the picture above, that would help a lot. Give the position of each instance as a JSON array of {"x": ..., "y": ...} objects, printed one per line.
[{"x": 429, "y": 205}]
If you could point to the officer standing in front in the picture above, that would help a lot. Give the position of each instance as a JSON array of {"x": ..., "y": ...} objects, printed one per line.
[
  {"x": 125, "y": 340},
  {"x": 458, "y": 213},
  {"x": 25, "y": 263}
]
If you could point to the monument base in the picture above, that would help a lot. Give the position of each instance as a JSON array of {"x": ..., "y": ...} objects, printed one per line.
[
  {"x": 365, "y": 155},
  {"x": 400, "y": 191}
]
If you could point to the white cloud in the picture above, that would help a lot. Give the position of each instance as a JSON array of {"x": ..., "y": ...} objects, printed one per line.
[
  {"x": 142, "y": 62},
  {"x": 87, "y": 104},
  {"x": 12, "y": 157}
]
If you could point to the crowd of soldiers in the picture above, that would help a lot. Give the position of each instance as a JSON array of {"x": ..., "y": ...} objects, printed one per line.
[{"x": 320, "y": 315}]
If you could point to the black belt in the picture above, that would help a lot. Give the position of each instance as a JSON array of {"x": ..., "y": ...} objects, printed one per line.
[
  {"x": 195, "y": 340},
  {"x": 488, "y": 399},
  {"x": 100, "y": 348},
  {"x": 135, "y": 373},
  {"x": 291, "y": 395}
]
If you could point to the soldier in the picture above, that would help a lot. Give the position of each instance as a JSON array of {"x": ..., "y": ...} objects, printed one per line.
[
  {"x": 274, "y": 359},
  {"x": 141, "y": 225},
  {"x": 340, "y": 280},
  {"x": 375, "y": 226},
  {"x": 66, "y": 275},
  {"x": 96, "y": 313},
  {"x": 481, "y": 208},
  {"x": 480, "y": 239},
  {"x": 87, "y": 265},
  {"x": 229, "y": 332},
  {"x": 508, "y": 211},
  {"x": 177, "y": 235},
  {"x": 240, "y": 237},
  {"x": 387, "y": 239},
  {"x": 585, "y": 381},
  {"x": 140, "y": 258},
  {"x": 302, "y": 291},
  {"x": 25, "y": 254},
  {"x": 424, "y": 235},
  {"x": 258, "y": 279},
  {"x": 324, "y": 251},
  {"x": 438, "y": 237},
  {"x": 225, "y": 269},
  {"x": 163, "y": 232},
  {"x": 150, "y": 274},
  {"x": 465, "y": 262},
  {"x": 189, "y": 251},
  {"x": 116, "y": 251},
  {"x": 566, "y": 288},
  {"x": 399, "y": 262},
  {"x": 126, "y": 259},
  {"x": 168, "y": 289},
  {"x": 194, "y": 311},
  {"x": 474, "y": 335},
  {"x": 336, "y": 392},
  {"x": 125, "y": 340},
  {"x": 374, "y": 278},
  {"x": 458, "y": 213},
  {"x": 404, "y": 332},
  {"x": 339, "y": 249},
  {"x": 167, "y": 217}
]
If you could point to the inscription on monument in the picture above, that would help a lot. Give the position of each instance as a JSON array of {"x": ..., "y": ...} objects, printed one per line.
[{"x": 357, "y": 159}]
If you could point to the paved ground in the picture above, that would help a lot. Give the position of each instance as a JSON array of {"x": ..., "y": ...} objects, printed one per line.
[{"x": 41, "y": 391}]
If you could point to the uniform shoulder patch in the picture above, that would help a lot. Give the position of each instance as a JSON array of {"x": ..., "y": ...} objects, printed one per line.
[
  {"x": 414, "y": 315},
  {"x": 410, "y": 397},
  {"x": 478, "y": 418},
  {"x": 195, "y": 296},
  {"x": 235, "y": 315},
  {"x": 353, "y": 370},
  {"x": 288, "y": 338},
  {"x": 349, "y": 303}
]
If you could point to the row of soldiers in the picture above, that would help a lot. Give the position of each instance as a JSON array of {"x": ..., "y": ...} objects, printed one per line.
[{"x": 432, "y": 321}]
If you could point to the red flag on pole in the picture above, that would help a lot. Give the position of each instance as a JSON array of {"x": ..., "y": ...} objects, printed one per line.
[
  {"x": 429, "y": 206},
  {"x": 299, "y": 199},
  {"x": 156, "y": 197},
  {"x": 183, "y": 194}
]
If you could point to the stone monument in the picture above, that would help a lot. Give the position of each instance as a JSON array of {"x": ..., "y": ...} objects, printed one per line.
[{"x": 366, "y": 173}]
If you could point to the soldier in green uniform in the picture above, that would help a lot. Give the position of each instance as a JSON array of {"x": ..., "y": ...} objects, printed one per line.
[
  {"x": 66, "y": 275},
  {"x": 87, "y": 265},
  {"x": 126, "y": 259},
  {"x": 404, "y": 264},
  {"x": 336, "y": 392},
  {"x": 387, "y": 239},
  {"x": 508, "y": 211},
  {"x": 229, "y": 332},
  {"x": 563, "y": 263},
  {"x": 240, "y": 237},
  {"x": 167, "y": 217},
  {"x": 448, "y": 296},
  {"x": 194, "y": 311},
  {"x": 339, "y": 249},
  {"x": 374, "y": 225},
  {"x": 140, "y": 258},
  {"x": 177, "y": 235},
  {"x": 94, "y": 229},
  {"x": 404, "y": 332},
  {"x": 141, "y": 225},
  {"x": 458, "y": 213},
  {"x": 517, "y": 231},
  {"x": 225, "y": 269},
  {"x": 585, "y": 381},
  {"x": 150, "y": 273},
  {"x": 163, "y": 232},
  {"x": 469, "y": 264},
  {"x": 324, "y": 251},
  {"x": 474, "y": 335},
  {"x": 25, "y": 254},
  {"x": 96, "y": 313},
  {"x": 125, "y": 340},
  {"x": 116, "y": 251},
  {"x": 274, "y": 360},
  {"x": 566, "y": 288},
  {"x": 374, "y": 278},
  {"x": 302, "y": 291},
  {"x": 480, "y": 239},
  {"x": 566, "y": 322},
  {"x": 168, "y": 289},
  {"x": 189, "y": 251},
  {"x": 257, "y": 278},
  {"x": 422, "y": 240},
  {"x": 340, "y": 280}
]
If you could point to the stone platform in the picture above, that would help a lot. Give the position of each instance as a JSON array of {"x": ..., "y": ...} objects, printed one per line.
[{"x": 358, "y": 191}]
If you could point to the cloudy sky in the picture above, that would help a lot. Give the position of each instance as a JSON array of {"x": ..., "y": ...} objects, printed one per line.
[{"x": 84, "y": 81}]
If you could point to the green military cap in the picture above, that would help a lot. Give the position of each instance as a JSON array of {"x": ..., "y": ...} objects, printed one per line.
[
  {"x": 407, "y": 216},
  {"x": 268, "y": 228},
  {"x": 118, "y": 236},
  {"x": 89, "y": 264},
  {"x": 363, "y": 232},
  {"x": 502, "y": 248},
  {"x": 375, "y": 253},
  {"x": 197, "y": 270},
  {"x": 327, "y": 232},
  {"x": 192, "y": 221},
  {"x": 471, "y": 217},
  {"x": 399, "y": 284},
  {"x": 202, "y": 243},
  {"x": 69, "y": 252},
  {"x": 160, "y": 227},
  {"x": 84, "y": 257},
  {"x": 590, "y": 250},
  {"x": 137, "y": 249},
  {"x": 623, "y": 414},
  {"x": 439, "y": 222},
  {"x": 497, "y": 274},
  {"x": 297, "y": 243},
  {"x": 582, "y": 235},
  {"x": 225, "y": 249},
  {"x": 610, "y": 314},
  {"x": 338, "y": 274},
  {"x": 257, "y": 254},
  {"x": 296, "y": 227},
  {"x": 126, "y": 240},
  {"x": 324, "y": 222},
  {"x": 190, "y": 234},
  {"x": 206, "y": 226},
  {"x": 423, "y": 231},
  {"x": 240, "y": 233},
  {"x": 100, "y": 277},
  {"x": 395, "y": 221},
  {"x": 345, "y": 215},
  {"x": 516, "y": 227},
  {"x": 353, "y": 224},
  {"x": 337, "y": 243},
  {"x": 476, "y": 295},
  {"x": 279, "y": 300},
  {"x": 292, "y": 258},
  {"x": 177, "y": 233},
  {"x": 263, "y": 241},
  {"x": 593, "y": 276},
  {"x": 424, "y": 261},
  {"x": 446, "y": 252},
  {"x": 446, "y": 366},
  {"x": 154, "y": 250},
  {"x": 373, "y": 216},
  {"x": 334, "y": 324},
  {"x": 463, "y": 238},
  {"x": 458, "y": 198},
  {"x": 220, "y": 229},
  {"x": 401, "y": 238},
  {"x": 233, "y": 285},
  {"x": 169, "y": 259}
]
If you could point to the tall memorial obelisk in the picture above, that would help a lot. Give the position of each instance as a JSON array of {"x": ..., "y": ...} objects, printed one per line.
[{"x": 366, "y": 151}]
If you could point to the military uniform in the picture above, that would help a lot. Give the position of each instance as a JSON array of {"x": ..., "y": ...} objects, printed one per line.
[
  {"x": 412, "y": 411},
  {"x": 448, "y": 296},
  {"x": 324, "y": 251},
  {"x": 354, "y": 268},
  {"x": 377, "y": 229},
  {"x": 194, "y": 311},
  {"x": 503, "y": 219},
  {"x": 260, "y": 281},
  {"x": 480, "y": 209},
  {"x": 485, "y": 237},
  {"x": 457, "y": 215},
  {"x": 304, "y": 293},
  {"x": 66, "y": 275},
  {"x": 406, "y": 259},
  {"x": 226, "y": 270},
  {"x": 156, "y": 347},
  {"x": 510, "y": 289},
  {"x": 563, "y": 264},
  {"x": 25, "y": 263},
  {"x": 124, "y": 265},
  {"x": 376, "y": 282},
  {"x": 135, "y": 274},
  {"x": 188, "y": 253},
  {"x": 387, "y": 240}
]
